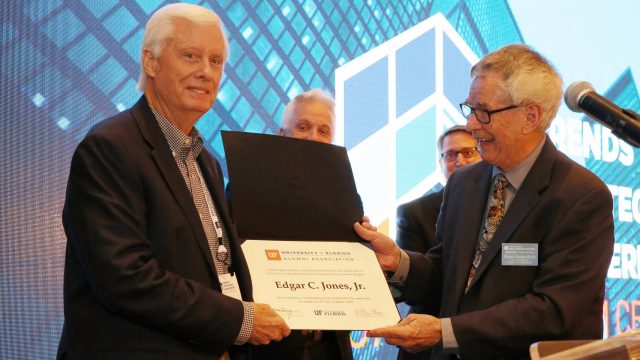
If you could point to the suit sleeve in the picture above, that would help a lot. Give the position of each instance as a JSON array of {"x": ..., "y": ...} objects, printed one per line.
[
  {"x": 423, "y": 284},
  {"x": 409, "y": 235},
  {"x": 573, "y": 262},
  {"x": 107, "y": 224}
]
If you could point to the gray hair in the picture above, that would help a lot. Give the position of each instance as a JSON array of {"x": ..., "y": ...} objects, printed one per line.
[
  {"x": 455, "y": 128},
  {"x": 311, "y": 95},
  {"x": 526, "y": 76},
  {"x": 161, "y": 27}
]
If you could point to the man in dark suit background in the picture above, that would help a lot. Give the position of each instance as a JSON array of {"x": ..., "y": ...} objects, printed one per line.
[
  {"x": 153, "y": 267},
  {"x": 525, "y": 195},
  {"x": 309, "y": 116},
  {"x": 416, "y": 220}
]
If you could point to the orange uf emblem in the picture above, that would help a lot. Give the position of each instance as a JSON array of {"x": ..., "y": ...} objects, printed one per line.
[{"x": 272, "y": 254}]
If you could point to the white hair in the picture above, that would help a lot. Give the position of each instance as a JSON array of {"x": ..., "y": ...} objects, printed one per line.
[
  {"x": 311, "y": 95},
  {"x": 161, "y": 27},
  {"x": 526, "y": 76}
]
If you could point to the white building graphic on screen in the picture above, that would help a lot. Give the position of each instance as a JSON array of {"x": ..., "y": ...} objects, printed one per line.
[{"x": 392, "y": 103}]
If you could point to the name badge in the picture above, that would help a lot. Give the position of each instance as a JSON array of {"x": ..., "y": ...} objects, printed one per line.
[
  {"x": 514, "y": 254},
  {"x": 229, "y": 285}
]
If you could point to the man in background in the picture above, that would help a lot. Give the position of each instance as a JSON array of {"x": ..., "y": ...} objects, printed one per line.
[
  {"x": 416, "y": 220},
  {"x": 525, "y": 237},
  {"x": 153, "y": 267},
  {"x": 309, "y": 116}
]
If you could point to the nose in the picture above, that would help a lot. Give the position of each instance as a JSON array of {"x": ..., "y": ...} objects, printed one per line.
[
  {"x": 314, "y": 135},
  {"x": 205, "y": 70},
  {"x": 472, "y": 123}
]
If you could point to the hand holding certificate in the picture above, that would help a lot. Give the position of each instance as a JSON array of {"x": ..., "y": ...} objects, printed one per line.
[
  {"x": 295, "y": 190},
  {"x": 321, "y": 285}
]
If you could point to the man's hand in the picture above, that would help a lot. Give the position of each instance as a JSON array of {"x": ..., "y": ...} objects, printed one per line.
[
  {"x": 267, "y": 325},
  {"x": 416, "y": 332},
  {"x": 387, "y": 252}
]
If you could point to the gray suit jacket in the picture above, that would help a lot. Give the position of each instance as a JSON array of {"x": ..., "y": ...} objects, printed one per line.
[{"x": 563, "y": 208}]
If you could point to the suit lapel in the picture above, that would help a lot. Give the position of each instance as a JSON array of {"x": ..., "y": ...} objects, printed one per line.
[
  {"x": 213, "y": 177},
  {"x": 163, "y": 158},
  {"x": 526, "y": 198}
]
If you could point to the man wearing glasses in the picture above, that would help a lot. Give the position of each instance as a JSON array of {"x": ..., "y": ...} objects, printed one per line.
[
  {"x": 525, "y": 237},
  {"x": 416, "y": 220}
]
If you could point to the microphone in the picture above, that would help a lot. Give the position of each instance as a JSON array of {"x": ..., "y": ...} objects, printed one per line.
[{"x": 624, "y": 123}]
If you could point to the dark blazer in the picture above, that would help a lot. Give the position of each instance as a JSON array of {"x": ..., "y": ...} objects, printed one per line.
[
  {"x": 416, "y": 222},
  {"x": 335, "y": 345},
  {"x": 139, "y": 278},
  {"x": 416, "y": 231},
  {"x": 563, "y": 208}
]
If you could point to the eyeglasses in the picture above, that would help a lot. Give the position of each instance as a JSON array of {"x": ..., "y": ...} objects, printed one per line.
[
  {"x": 452, "y": 155},
  {"x": 482, "y": 115}
]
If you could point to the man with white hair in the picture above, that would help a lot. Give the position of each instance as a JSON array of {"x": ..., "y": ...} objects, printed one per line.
[
  {"x": 310, "y": 116},
  {"x": 153, "y": 268},
  {"x": 525, "y": 237}
]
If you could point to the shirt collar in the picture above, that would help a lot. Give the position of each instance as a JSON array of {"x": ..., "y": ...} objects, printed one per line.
[
  {"x": 179, "y": 143},
  {"x": 517, "y": 174}
]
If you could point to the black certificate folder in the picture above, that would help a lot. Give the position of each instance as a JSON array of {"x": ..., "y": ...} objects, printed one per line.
[{"x": 289, "y": 189}]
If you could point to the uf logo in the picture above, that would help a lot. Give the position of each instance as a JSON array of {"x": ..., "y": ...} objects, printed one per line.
[
  {"x": 272, "y": 254},
  {"x": 391, "y": 105}
]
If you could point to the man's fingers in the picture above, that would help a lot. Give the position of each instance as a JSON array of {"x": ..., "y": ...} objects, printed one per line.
[
  {"x": 287, "y": 331},
  {"x": 365, "y": 231},
  {"x": 389, "y": 331},
  {"x": 267, "y": 325},
  {"x": 409, "y": 319},
  {"x": 361, "y": 231}
]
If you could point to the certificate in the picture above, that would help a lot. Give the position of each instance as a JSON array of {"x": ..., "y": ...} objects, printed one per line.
[{"x": 321, "y": 285}]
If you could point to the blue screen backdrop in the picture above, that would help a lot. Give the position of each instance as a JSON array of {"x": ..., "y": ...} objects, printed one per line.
[{"x": 398, "y": 70}]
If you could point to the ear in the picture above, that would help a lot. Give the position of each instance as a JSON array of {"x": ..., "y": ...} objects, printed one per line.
[
  {"x": 534, "y": 118},
  {"x": 149, "y": 63}
]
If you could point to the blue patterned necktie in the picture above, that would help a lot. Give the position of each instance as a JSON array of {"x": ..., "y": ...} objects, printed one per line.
[{"x": 494, "y": 216}]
